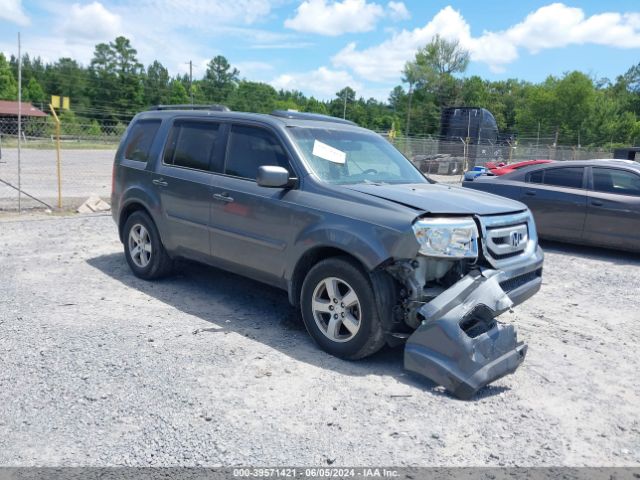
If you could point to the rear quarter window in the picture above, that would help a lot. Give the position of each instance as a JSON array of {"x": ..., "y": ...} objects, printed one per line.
[
  {"x": 140, "y": 139},
  {"x": 535, "y": 177}
]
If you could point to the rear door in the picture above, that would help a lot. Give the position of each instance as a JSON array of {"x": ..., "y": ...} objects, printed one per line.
[
  {"x": 558, "y": 200},
  {"x": 192, "y": 153},
  {"x": 613, "y": 208},
  {"x": 251, "y": 225}
]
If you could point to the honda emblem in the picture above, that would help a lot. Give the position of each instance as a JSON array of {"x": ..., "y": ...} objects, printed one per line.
[{"x": 516, "y": 238}]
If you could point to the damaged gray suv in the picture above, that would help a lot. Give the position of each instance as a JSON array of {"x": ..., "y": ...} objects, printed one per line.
[{"x": 370, "y": 250}]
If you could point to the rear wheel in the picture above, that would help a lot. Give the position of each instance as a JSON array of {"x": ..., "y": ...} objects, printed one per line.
[
  {"x": 339, "y": 309},
  {"x": 143, "y": 248}
]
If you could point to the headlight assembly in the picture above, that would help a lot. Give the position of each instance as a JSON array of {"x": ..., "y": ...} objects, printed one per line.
[{"x": 455, "y": 237}]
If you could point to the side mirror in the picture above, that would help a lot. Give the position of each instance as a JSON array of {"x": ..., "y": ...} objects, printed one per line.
[{"x": 272, "y": 176}]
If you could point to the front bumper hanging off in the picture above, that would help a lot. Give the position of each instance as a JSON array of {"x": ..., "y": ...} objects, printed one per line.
[{"x": 459, "y": 344}]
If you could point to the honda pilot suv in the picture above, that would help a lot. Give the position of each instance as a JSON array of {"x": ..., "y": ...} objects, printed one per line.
[{"x": 370, "y": 250}]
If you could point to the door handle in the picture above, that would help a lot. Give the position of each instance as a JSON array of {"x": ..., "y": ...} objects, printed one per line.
[
  {"x": 160, "y": 182},
  {"x": 596, "y": 203},
  {"x": 531, "y": 193},
  {"x": 224, "y": 197}
]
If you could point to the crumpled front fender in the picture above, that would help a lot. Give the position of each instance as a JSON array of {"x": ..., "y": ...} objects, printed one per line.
[{"x": 459, "y": 344}]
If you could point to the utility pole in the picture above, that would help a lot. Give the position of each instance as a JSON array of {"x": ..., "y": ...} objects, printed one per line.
[
  {"x": 409, "y": 111},
  {"x": 19, "y": 124},
  {"x": 344, "y": 109},
  {"x": 191, "y": 80}
]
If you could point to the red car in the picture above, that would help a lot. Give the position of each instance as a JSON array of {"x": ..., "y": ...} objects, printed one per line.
[{"x": 503, "y": 168}]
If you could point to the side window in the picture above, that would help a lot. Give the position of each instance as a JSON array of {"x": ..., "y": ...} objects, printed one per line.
[
  {"x": 140, "y": 139},
  {"x": 610, "y": 180},
  {"x": 570, "y": 177},
  {"x": 192, "y": 144},
  {"x": 535, "y": 177},
  {"x": 250, "y": 148}
]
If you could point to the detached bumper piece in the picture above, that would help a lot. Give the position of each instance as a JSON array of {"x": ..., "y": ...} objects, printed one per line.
[{"x": 459, "y": 344}]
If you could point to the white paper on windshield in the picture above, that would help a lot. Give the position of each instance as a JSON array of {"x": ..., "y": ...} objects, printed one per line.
[{"x": 327, "y": 152}]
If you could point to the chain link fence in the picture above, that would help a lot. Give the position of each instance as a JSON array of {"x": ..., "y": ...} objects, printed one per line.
[
  {"x": 86, "y": 159},
  {"x": 437, "y": 156},
  {"x": 88, "y": 150},
  {"x": 40, "y": 132}
]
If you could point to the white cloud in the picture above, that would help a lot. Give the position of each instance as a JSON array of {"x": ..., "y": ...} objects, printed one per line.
[
  {"x": 335, "y": 18},
  {"x": 552, "y": 26},
  {"x": 91, "y": 22},
  {"x": 322, "y": 83},
  {"x": 558, "y": 25},
  {"x": 398, "y": 11},
  {"x": 12, "y": 11}
]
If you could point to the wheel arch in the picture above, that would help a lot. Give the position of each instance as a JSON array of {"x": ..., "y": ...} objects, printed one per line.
[
  {"x": 311, "y": 258},
  {"x": 127, "y": 211}
]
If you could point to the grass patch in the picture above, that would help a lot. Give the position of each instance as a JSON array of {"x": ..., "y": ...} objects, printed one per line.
[{"x": 46, "y": 144}]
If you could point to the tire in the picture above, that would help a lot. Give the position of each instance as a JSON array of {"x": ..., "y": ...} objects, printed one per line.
[
  {"x": 356, "y": 331},
  {"x": 151, "y": 261}
]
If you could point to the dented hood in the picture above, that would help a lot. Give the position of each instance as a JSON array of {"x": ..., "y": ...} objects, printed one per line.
[{"x": 439, "y": 198}]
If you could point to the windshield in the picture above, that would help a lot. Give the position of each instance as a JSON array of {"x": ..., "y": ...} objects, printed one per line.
[{"x": 347, "y": 157}]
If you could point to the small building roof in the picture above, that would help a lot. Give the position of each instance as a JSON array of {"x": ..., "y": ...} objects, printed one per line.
[{"x": 10, "y": 108}]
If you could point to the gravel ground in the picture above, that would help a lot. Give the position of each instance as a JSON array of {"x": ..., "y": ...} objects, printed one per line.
[{"x": 207, "y": 368}]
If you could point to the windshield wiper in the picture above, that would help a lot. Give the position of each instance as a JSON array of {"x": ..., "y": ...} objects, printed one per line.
[{"x": 370, "y": 182}]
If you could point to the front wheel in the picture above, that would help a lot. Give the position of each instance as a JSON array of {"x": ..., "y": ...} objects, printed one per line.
[{"x": 339, "y": 309}]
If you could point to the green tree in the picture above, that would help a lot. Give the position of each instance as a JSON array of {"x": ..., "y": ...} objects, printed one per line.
[
  {"x": 436, "y": 63},
  {"x": 413, "y": 73},
  {"x": 67, "y": 78},
  {"x": 315, "y": 106},
  {"x": 156, "y": 84},
  {"x": 129, "y": 72},
  {"x": 558, "y": 105},
  {"x": 220, "y": 80},
  {"x": 94, "y": 129},
  {"x": 8, "y": 85},
  {"x": 253, "y": 97},
  {"x": 474, "y": 92},
  {"x": 178, "y": 94},
  {"x": 341, "y": 106},
  {"x": 444, "y": 57},
  {"x": 34, "y": 92},
  {"x": 116, "y": 79}
]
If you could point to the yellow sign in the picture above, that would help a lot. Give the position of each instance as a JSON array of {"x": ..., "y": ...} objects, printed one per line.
[
  {"x": 392, "y": 132},
  {"x": 55, "y": 101},
  {"x": 65, "y": 103}
]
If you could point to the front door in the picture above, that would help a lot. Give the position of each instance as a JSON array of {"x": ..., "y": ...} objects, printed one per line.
[
  {"x": 250, "y": 224},
  {"x": 613, "y": 209}
]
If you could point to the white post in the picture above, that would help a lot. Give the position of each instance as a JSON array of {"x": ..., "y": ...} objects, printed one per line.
[{"x": 19, "y": 124}]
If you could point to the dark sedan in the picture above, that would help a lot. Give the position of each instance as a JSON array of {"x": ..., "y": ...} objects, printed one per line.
[{"x": 595, "y": 202}]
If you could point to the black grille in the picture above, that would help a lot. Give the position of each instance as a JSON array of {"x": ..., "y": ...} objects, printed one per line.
[
  {"x": 498, "y": 256},
  {"x": 516, "y": 282}
]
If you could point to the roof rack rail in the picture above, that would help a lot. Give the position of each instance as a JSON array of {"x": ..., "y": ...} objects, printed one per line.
[
  {"x": 213, "y": 107},
  {"x": 310, "y": 116}
]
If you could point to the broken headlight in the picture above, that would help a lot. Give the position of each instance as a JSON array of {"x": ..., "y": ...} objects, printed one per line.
[{"x": 455, "y": 237}]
